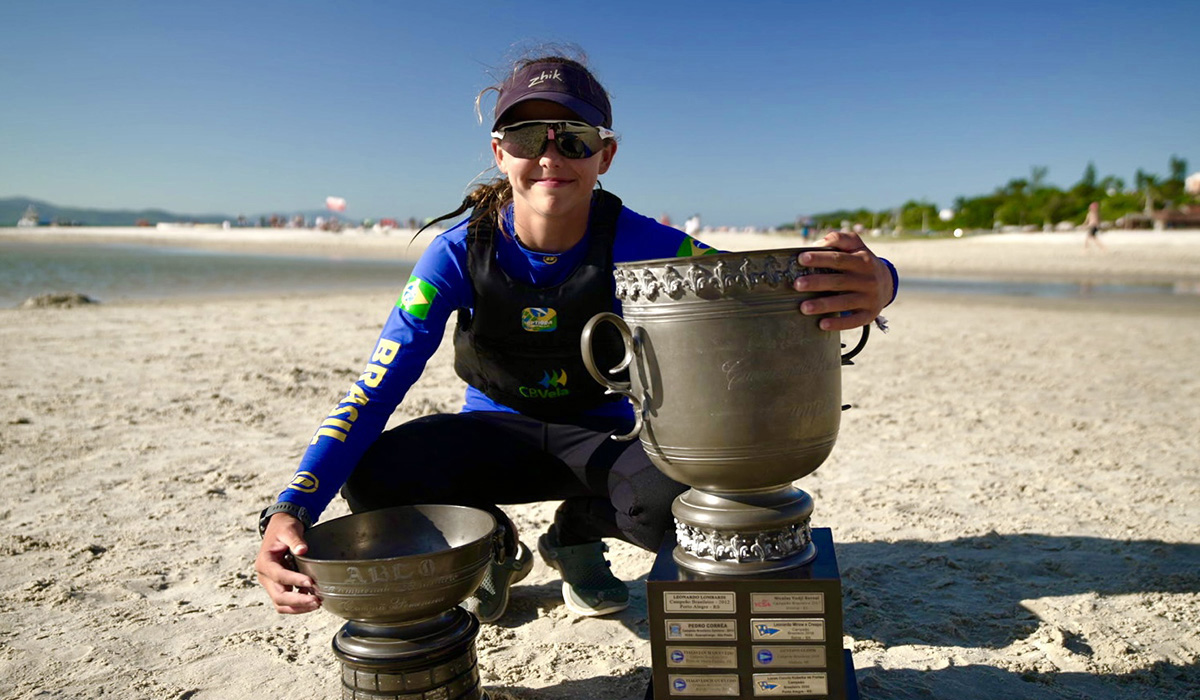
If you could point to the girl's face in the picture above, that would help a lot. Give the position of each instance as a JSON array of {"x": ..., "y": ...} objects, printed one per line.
[{"x": 550, "y": 186}]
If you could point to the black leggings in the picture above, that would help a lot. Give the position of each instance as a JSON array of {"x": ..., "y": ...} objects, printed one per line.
[{"x": 483, "y": 459}]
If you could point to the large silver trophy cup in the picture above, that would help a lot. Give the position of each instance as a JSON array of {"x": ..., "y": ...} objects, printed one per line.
[
  {"x": 737, "y": 395},
  {"x": 397, "y": 576}
]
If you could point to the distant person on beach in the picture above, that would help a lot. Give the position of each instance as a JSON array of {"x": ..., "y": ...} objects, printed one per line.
[
  {"x": 692, "y": 226},
  {"x": 1092, "y": 223},
  {"x": 521, "y": 274}
]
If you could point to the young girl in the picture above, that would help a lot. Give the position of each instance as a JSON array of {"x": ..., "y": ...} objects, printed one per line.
[{"x": 523, "y": 274}]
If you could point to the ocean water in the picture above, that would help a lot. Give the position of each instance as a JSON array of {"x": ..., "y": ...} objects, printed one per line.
[
  {"x": 1054, "y": 289},
  {"x": 115, "y": 272}
]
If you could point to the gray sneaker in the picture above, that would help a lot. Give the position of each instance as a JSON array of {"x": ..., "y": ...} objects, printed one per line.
[
  {"x": 589, "y": 587},
  {"x": 490, "y": 600}
]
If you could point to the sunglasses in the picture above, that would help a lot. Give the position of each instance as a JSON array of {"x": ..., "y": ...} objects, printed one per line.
[{"x": 572, "y": 139}]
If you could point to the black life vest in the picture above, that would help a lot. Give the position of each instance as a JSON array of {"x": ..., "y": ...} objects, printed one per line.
[{"x": 520, "y": 346}]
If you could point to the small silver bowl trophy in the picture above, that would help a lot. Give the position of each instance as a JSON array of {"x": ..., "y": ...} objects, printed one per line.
[
  {"x": 736, "y": 394},
  {"x": 397, "y": 576}
]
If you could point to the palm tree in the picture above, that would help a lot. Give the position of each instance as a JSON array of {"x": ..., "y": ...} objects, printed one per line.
[
  {"x": 1037, "y": 176},
  {"x": 1150, "y": 186}
]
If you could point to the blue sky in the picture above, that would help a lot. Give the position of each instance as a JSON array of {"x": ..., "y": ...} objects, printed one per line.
[{"x": 748, "y": 113}]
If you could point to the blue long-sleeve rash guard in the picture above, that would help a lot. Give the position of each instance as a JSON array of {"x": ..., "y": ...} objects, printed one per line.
[{"x": 439, "y": 286}]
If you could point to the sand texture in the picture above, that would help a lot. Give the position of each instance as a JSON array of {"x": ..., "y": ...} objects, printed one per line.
[{"x": 1015, "y": 493}]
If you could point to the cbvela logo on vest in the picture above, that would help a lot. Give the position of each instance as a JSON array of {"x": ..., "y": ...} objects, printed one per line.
[
  {"x": 552, "y": 386},
  {"x": 539, "y": 320}
]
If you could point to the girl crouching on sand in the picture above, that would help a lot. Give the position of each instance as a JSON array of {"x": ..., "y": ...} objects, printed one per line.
[{"x": 522, "y": 275}]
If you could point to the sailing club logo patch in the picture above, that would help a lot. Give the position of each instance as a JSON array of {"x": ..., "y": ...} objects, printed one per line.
[
  {"x": 539, "y": 320},
  {"x": 552, "y": 385},
  {"x": 551, "y": 380},
  {"x": 417, "y": 297}
]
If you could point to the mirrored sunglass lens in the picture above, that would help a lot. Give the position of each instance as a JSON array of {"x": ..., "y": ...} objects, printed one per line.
[
  {"x": 573, "y": 146},
  {"x": 571, "y": 141},
  {"x": 526, "y": 142},
  {"x": 586, "y": 141}
]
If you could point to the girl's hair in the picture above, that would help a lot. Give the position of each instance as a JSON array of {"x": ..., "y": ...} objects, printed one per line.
[{"x": 491, "y": 197}]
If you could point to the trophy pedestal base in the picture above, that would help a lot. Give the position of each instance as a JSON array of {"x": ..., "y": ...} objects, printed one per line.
[
  {"x": 777, "y": 634},
  {"x": 430, "y": 659}
]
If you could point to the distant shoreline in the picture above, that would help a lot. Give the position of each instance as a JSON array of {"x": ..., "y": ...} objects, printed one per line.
[
  {"x": 1150, "y": 256},
  {"x": 394, "y": 245}
]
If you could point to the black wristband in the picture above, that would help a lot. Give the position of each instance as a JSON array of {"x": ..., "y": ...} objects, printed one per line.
[{"x": 298, "y": 512}]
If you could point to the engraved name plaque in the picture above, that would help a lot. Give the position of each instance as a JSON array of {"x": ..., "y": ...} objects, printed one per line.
[
  {"x": 701, "y": 657},
  {"x": 789, "y": 656},
  {"x": 784, "y": 630},
  {"x": 790, "y": 684},
  {"x": 710, "y": 684},
  {"x": 699, "y": 602},
  {"x": 701, "y": 630}
]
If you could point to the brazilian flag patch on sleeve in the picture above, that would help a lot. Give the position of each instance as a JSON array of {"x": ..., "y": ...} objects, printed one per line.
[
  {"x": 417, "y": 297},
  {"x": 691, "y": 247}
]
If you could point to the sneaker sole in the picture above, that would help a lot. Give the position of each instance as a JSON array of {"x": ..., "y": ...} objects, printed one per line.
[
  {"x": 568, "y": 595},
  {"x": 580, "y": 609}
]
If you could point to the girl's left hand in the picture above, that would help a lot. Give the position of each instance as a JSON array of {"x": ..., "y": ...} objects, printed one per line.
[{"x": 860, "y": 290}]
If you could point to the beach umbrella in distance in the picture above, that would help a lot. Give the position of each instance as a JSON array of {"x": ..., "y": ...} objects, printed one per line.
[
  {"x": 335, "y": 203},
  {"x": 1192, "y": 183}
]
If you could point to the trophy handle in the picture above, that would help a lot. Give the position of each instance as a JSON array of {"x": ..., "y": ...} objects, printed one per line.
[
  {"x": 862, "y": 343},
  {"x": 614, "y": 387}
]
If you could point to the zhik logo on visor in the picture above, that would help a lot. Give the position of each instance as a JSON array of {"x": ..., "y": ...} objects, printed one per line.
[
  {"x": 546, "y": 76},
  {"x": 539, "y": 319}
]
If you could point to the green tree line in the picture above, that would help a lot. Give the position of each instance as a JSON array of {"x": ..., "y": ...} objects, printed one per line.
[{"x": 1028, "y": 201}]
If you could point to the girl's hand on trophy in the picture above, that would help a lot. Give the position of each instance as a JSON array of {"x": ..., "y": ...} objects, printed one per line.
[
  {"x": 855, "y": 295},
  {"x": 290, "y": 590}
]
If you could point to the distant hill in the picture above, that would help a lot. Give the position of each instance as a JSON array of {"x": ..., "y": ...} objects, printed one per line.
[{"x": 13, "y": 208}]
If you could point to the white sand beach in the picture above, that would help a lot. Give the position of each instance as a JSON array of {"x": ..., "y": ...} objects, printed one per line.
[{"x": 1014, "y": 496}]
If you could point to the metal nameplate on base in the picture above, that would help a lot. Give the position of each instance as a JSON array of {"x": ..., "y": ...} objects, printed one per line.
[
  {"x": 789, "y": 656},
  {"x": 791, "y": 684},
  {"x": 701, "y": 630},
  {"x": 765, "y": 635},
  {"x": 799, "y": 603},
  {"x": 784, "y": 630},
  {"x": 699, "y": 601},
  {"x": 701, "y": 657},
  {"x": 709, "y": 684}
]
